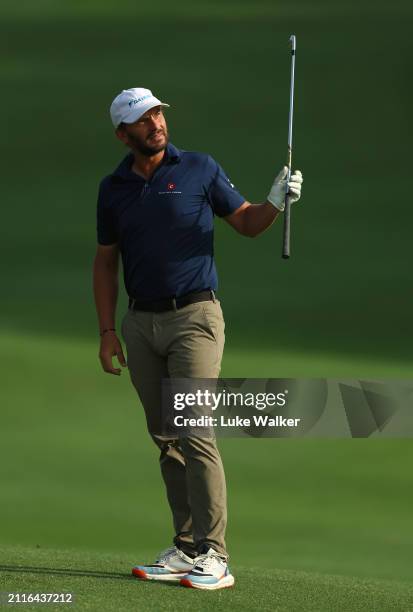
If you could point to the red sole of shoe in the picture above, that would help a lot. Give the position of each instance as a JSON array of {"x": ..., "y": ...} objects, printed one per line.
[{"x": 139, "y": 573}]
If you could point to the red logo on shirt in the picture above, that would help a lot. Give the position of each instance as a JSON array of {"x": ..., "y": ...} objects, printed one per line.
[{"x": 171, "y": 186}]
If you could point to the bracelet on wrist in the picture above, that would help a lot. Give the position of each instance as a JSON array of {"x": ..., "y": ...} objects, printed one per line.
[{"x": 103, "y": 332}]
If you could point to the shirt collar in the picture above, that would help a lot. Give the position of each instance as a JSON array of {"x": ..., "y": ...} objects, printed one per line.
[{"x": 172, "y": 156}]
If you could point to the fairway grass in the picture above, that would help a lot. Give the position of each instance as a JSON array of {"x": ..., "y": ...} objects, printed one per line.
[
  {"x": 314, "y": 524},
  {"x": 38, "y": 352},
  {"x": 79, "y": 471},
  {"x": 102, "y": 581}
]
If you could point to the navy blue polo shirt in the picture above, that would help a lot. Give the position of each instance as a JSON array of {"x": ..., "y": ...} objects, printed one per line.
[{"x": 164, "y": 227}]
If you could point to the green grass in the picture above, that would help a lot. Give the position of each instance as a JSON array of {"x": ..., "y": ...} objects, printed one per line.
[
  {"x": 349, "y": 273},
  {"x": 103, "y": 582},
  {"x": 329, "y": 520},
  {"x": 79, "y": 471}
]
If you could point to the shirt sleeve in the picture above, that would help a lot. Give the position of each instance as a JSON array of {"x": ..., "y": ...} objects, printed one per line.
[
  {"x": 106, "y": 231},
  {"x": 222, "y": 195}
]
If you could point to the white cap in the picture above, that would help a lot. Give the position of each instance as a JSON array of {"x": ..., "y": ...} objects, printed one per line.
[{"x": 131, "y": 104}]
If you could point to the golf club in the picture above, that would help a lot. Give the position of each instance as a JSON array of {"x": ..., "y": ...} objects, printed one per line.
[{"x": 287, "y": 211}]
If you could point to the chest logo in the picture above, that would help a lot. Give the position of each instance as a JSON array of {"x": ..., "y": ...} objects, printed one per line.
[{"x": 170, "y": 189}]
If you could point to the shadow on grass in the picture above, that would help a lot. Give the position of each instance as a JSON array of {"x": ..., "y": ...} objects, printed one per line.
[{"x": 30, "y": 569}]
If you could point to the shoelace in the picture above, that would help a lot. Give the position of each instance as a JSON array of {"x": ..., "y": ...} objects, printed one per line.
[
  {"x": 166, "y": 554},
  {"x": 206, "y": 561}
]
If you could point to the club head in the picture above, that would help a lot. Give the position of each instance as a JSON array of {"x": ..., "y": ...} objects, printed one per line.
[{"x": 293, "y": 42}]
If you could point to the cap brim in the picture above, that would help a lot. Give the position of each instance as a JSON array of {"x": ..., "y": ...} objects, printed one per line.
[{"x": 135, "y": 115}]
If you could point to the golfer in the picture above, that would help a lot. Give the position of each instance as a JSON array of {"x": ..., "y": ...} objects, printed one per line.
[{"x": 157, "y": 211}]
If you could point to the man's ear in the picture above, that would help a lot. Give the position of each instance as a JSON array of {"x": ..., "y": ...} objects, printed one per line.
[{"x": 121, "y": 134}]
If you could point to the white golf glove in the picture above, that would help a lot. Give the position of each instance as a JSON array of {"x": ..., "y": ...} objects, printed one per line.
[{"x": 277, "y": 193}]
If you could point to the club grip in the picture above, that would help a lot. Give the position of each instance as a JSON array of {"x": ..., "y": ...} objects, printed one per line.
[{"x": 286, "y": 229}]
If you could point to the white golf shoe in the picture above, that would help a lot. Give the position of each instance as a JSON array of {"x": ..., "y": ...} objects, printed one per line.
[
  {"x": 171, "y": 564},
  {"x": 210, "y": 572}
]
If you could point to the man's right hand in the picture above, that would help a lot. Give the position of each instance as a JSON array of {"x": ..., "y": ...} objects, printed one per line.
[{"x": 109, "y": 347}]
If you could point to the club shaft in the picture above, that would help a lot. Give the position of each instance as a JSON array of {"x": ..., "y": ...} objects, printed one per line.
[{"x": 287, "y": 210}]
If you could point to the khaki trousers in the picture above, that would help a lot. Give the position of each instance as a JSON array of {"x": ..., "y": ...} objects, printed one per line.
[{"x": 186, "y": 343}]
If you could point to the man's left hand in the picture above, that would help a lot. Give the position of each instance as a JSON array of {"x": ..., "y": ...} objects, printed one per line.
[{"x": 277, "y": 194}]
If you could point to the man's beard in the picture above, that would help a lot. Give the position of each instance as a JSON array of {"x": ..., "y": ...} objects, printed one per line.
[{"x": 141, "y": 145}]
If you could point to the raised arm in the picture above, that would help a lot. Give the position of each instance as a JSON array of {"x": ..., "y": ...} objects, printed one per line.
[{"x": 253, "y": 219}]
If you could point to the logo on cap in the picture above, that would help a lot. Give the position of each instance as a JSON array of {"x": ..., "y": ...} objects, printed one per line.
[
  {"x": 137, "y": 100},
  {"x": 171, "y": 186}
]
